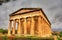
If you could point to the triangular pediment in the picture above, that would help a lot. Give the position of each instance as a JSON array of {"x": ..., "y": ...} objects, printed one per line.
[{"x": 23, "y": 10}]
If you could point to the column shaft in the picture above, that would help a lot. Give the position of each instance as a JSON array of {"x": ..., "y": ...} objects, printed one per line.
[
  {"x": 32, "y": 26},
  {"x": 14, "y": 27},
  {"x": 9, "y": 28},
  {"x": 19, "y": 27},
  {"x": 25, "y": 27},
  {"x": 43, "y": 24},
  {"x": 39, "y": 26}
]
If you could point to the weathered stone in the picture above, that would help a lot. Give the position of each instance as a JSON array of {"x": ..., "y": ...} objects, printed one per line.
[{"x": 32, "y": 18}]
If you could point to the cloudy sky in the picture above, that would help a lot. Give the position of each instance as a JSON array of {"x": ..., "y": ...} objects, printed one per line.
[{"x": 52, "y": 8}]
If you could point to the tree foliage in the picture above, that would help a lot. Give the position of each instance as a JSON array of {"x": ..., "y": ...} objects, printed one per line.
[{"x": 3, "y": 31}]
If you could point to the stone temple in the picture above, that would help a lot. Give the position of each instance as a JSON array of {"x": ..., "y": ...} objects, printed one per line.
[{"x": 29, "y": 21}]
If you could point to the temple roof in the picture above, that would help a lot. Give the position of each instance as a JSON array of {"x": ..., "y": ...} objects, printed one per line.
[
  {"x": 29, "y": 10},
  {"x": 26, "y": 10}
]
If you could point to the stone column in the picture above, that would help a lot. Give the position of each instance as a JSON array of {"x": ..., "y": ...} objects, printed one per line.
[
  {"x": 25, "y": 27},
  {"x": 9, "y": 28},
  {"x": 39, "y": 26},
  {"x": 32, "y": 26},
  {"x": 43, "y": 27},
  {"x": 14, "y": 27},
  {"x": 19, "y": 28},
  {"x": 48, "y": 29}
]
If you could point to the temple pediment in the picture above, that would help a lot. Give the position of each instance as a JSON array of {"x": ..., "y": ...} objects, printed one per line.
[{"x": 24, "y": 10}]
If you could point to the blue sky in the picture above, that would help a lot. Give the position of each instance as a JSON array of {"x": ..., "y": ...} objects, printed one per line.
[{"x": 52, "y": 8}]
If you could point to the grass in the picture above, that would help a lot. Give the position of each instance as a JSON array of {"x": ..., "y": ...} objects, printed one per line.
[{"x": 26, "y": 38}]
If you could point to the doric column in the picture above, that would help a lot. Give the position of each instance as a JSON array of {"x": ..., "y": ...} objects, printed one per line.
[
  {"x": 48, "y": 29},
  {"x": 9, "y": 28},
  {"x": 19, "y": 27},
  {"x": 14, "y": 27},
  {"x": 39, "y": 26},
  {"x": 43, "y": 27},
  {"x": 32, "y": 26},
  {"x": 25, "y": 27}
]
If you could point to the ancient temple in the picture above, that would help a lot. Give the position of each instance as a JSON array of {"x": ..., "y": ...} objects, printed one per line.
[{"x": 29, "y": 21}]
